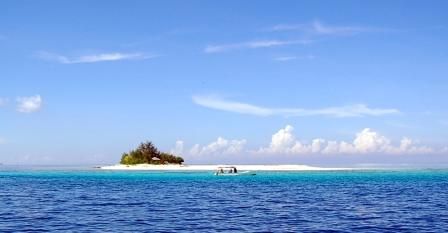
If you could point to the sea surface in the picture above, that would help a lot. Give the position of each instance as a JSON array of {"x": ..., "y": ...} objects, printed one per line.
[{"x": 89, "y": 200}]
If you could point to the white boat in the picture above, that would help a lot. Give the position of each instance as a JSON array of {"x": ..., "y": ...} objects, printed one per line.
[{"x": 231, "y": 171}]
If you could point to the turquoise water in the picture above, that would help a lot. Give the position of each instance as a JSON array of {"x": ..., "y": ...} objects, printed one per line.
[{"x": 116, "y": 201}]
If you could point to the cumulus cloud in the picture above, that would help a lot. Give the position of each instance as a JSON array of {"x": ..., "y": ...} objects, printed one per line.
[
  {"x": 284, "y": 142},
  {"x": 318, "y": 28},
  {"x": 179, "y": 148},
  {"x": 356, "y": 110},
  {"x": 92, "y": 58},
  {"x": 252, "y": 45},
  {"x": 29, "y": 104},
  {"x": 220, "y": 146},
  {"x": 366, "y": 142}
]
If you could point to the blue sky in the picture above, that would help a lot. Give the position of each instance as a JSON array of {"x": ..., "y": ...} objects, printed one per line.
[{"x": 316, "y": 82}]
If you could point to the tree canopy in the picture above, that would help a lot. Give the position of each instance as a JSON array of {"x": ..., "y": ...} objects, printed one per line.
[{"x": 147, "y": 153}]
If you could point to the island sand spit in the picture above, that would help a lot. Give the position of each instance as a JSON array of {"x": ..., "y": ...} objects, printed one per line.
[{"x": 176, "y": 167}]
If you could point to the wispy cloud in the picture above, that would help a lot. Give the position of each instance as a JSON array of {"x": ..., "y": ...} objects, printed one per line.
[
  {"x": 252, "y": 45},
  {"x": 230, "y": 106},
  {"x": 29, "y": 104},
  {"x": 290, "y": 58},
  {"x": 285, "y": 58},
  {"x": 92, "y": 58},
  {"x": 319, "y": 28},
  {"x": 308, "y": 30},
  {"x": 357, "y": 110}
]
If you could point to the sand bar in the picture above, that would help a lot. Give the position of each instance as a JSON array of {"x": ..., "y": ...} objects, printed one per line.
[{"x": 151, "y": 167}]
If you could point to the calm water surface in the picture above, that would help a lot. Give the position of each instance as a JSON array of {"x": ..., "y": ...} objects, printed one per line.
[{"x": 114, "y": 201}]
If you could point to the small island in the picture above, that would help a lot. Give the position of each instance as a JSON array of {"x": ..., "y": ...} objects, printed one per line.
[{"x": 147, "y": 153}]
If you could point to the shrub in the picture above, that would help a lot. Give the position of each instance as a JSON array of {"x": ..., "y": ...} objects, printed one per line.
[{"x": 144, "y": 154}]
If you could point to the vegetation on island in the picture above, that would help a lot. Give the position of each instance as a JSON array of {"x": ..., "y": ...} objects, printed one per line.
[{"x": 147, "y": 153}]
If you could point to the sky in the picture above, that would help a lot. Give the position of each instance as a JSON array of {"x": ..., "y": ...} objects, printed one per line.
[{"x": 330, "y": 83}]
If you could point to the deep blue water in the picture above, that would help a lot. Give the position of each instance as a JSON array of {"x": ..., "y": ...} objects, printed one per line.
[{"x": 113, "y": 201}]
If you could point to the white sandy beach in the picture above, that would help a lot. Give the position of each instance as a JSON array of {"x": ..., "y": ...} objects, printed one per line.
[{"x": 151, "y": 167}]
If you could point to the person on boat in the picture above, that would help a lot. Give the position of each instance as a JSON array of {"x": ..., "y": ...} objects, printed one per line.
[{"x": 234, "y": 170}]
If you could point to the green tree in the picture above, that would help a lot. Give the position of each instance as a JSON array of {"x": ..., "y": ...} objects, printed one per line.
[
  {"x": 148, "y": 151},
  {"x": 145, "y": 152}
]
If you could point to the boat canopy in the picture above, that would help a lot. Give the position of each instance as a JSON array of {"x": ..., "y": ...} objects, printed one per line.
[{"x": 226, "y": 169}]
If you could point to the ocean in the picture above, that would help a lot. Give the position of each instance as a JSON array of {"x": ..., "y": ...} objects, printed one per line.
[{"x": 77, "y": 200}]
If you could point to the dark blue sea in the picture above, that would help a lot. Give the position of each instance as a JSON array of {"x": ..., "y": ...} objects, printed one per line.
[{"x": 74, "y": 200}]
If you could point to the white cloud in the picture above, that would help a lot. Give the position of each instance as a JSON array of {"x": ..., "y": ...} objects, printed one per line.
[
  {"x": 317, "y": 144},
  {"x": 318, "y": 28},
  {"x": 290, "y": 58},
  {"x": 285, "y": 58},
  {"x": 220, "y": 146},
  {"x": 284, "y": 142},
  {"x": 230, "y": 106},
  {"x": 195, "y": 150},
  {"x": 179, "y": 148},
  {"x": 357, "y": 110},
  {"x": 252, "y": 45},
  {"x": 29, "y": 104},
  {"x": 366, "y": 142},
  {"x": 283, "y": 138},
  {"x": 92, "y": 58}
]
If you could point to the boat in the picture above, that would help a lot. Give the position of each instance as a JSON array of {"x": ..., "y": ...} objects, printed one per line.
[{"x": 231, "y": 171}]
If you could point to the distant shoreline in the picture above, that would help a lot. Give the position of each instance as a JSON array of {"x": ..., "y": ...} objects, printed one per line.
[{"x": 175, "y": 167}]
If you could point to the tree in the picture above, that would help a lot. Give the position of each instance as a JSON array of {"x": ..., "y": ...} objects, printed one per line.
[
  {"x": 145, "y": 153},
  {"x": 148, "y": 151}
]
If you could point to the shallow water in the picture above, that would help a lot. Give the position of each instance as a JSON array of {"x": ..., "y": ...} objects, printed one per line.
[{"x": 117, "y": 201}]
